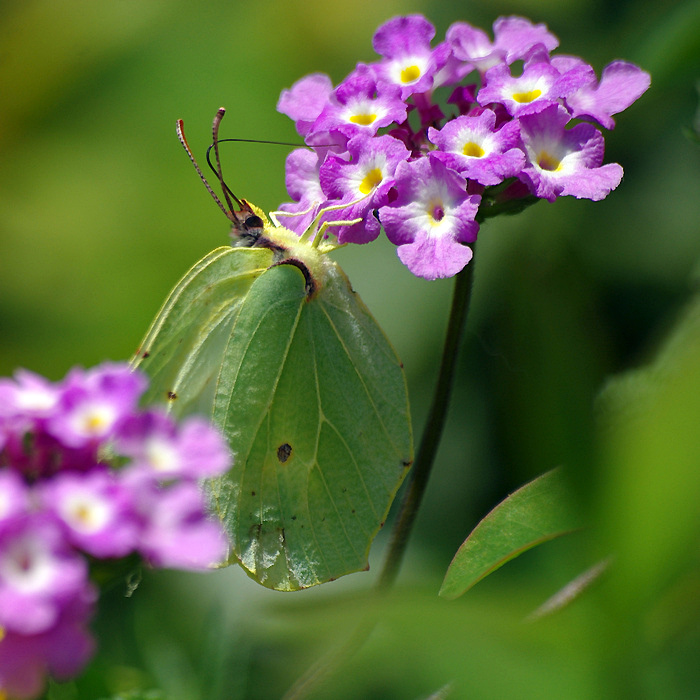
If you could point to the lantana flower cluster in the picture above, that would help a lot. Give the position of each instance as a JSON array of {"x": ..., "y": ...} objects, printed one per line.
[
  {"x": 87, "y": 480},
  {"x": 518, "y": 124}
]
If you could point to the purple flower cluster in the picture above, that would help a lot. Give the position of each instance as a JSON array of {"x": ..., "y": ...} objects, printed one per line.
[
  {"x": 385, "y": 153},
  {"x": 86, "y": 476}
]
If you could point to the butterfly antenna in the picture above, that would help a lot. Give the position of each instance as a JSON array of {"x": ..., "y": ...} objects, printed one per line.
[
  {"x": 215, "y": 147},
  {"x": 224, "y": 186},
  {"x": 212, "y": 146},
  {"x": 180, "y": 128},
  {"x": 228, "y": 194}
]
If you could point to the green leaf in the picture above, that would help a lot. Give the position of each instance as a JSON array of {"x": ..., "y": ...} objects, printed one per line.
[
  {"x": 275, "y": 346},
  {"x": 538, "y": 512}
]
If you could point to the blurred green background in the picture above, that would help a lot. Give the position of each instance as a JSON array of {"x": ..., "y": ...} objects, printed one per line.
[{"x": 100, "y": 214}]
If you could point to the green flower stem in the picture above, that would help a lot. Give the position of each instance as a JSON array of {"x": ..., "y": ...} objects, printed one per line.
[{"x": 418, "y": 479}]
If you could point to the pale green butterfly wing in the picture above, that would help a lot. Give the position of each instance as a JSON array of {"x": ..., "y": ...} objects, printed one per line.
[
  {"x": 313, "y": 400},
  {"x": 291, "y": 365},
  {"x": 182, "y": 350}
]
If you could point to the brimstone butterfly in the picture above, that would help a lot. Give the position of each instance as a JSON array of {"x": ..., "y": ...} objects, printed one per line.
[{"x": 268, "y": 339}]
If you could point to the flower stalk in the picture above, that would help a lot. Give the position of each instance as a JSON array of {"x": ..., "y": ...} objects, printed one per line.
[{"x": 432, "y": 432}]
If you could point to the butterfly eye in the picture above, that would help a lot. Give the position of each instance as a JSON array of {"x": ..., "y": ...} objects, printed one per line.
[{"x": 254, "y": 222}]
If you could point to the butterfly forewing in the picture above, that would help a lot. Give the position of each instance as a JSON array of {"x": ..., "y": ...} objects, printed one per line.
[{"x": 183, "y": 350}]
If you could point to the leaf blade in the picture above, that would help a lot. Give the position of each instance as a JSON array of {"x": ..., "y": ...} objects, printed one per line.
[{"x": 538, "y": 512}]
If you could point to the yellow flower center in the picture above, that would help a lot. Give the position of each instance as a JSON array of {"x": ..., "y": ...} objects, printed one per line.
[
  {"x": 371, "y": 180},
  {"x": 473, "y": 149},
  {"x": 95, "y": 423},
  {"x": 529, "y": 96},
  {"x": 83, "y": 514},
  {"x": 96, "y": 420},
  {"x": 410, "y": 74},
  {"x": 548, "y": 162},
  {"x": 363, "y": 119}
]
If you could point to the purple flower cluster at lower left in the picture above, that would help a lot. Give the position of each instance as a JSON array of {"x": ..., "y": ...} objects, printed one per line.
[{"x": 88, "y": 478}]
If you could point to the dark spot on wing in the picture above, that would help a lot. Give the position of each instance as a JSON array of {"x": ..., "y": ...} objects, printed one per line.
[
  {"x": 172, "y": 396},
  {"x": 284, "y": 452}
]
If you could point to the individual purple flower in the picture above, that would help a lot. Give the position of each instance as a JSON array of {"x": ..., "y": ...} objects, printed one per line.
[
  {"x": 96, "y": 511},
  {"x": 177, "y": 533},
  {"x": 514, "y": 37},
  {"x": 361, "y": 104},
  {"x": 409, "y": 61},
  {"x": 305, "y": 100},
  {"x": 38, "y": 573},
  {"x": 518, "y": 35},
  {"x": 565, "y": 161},
  {"x": 93, "y": 403},
  {"x": 539, "y": 86},
  {"x": 363, "y": 183},
  {"x": 620, "y": 85},
  {"x": 28, "y": 395},
  {"x": 432, "y": 218},
  {"x": 368, "y": 171},
  {"x": 164, "y": 450},
  {"x": 473, "y": 147},
  {"x": 61, "y": 651}
]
